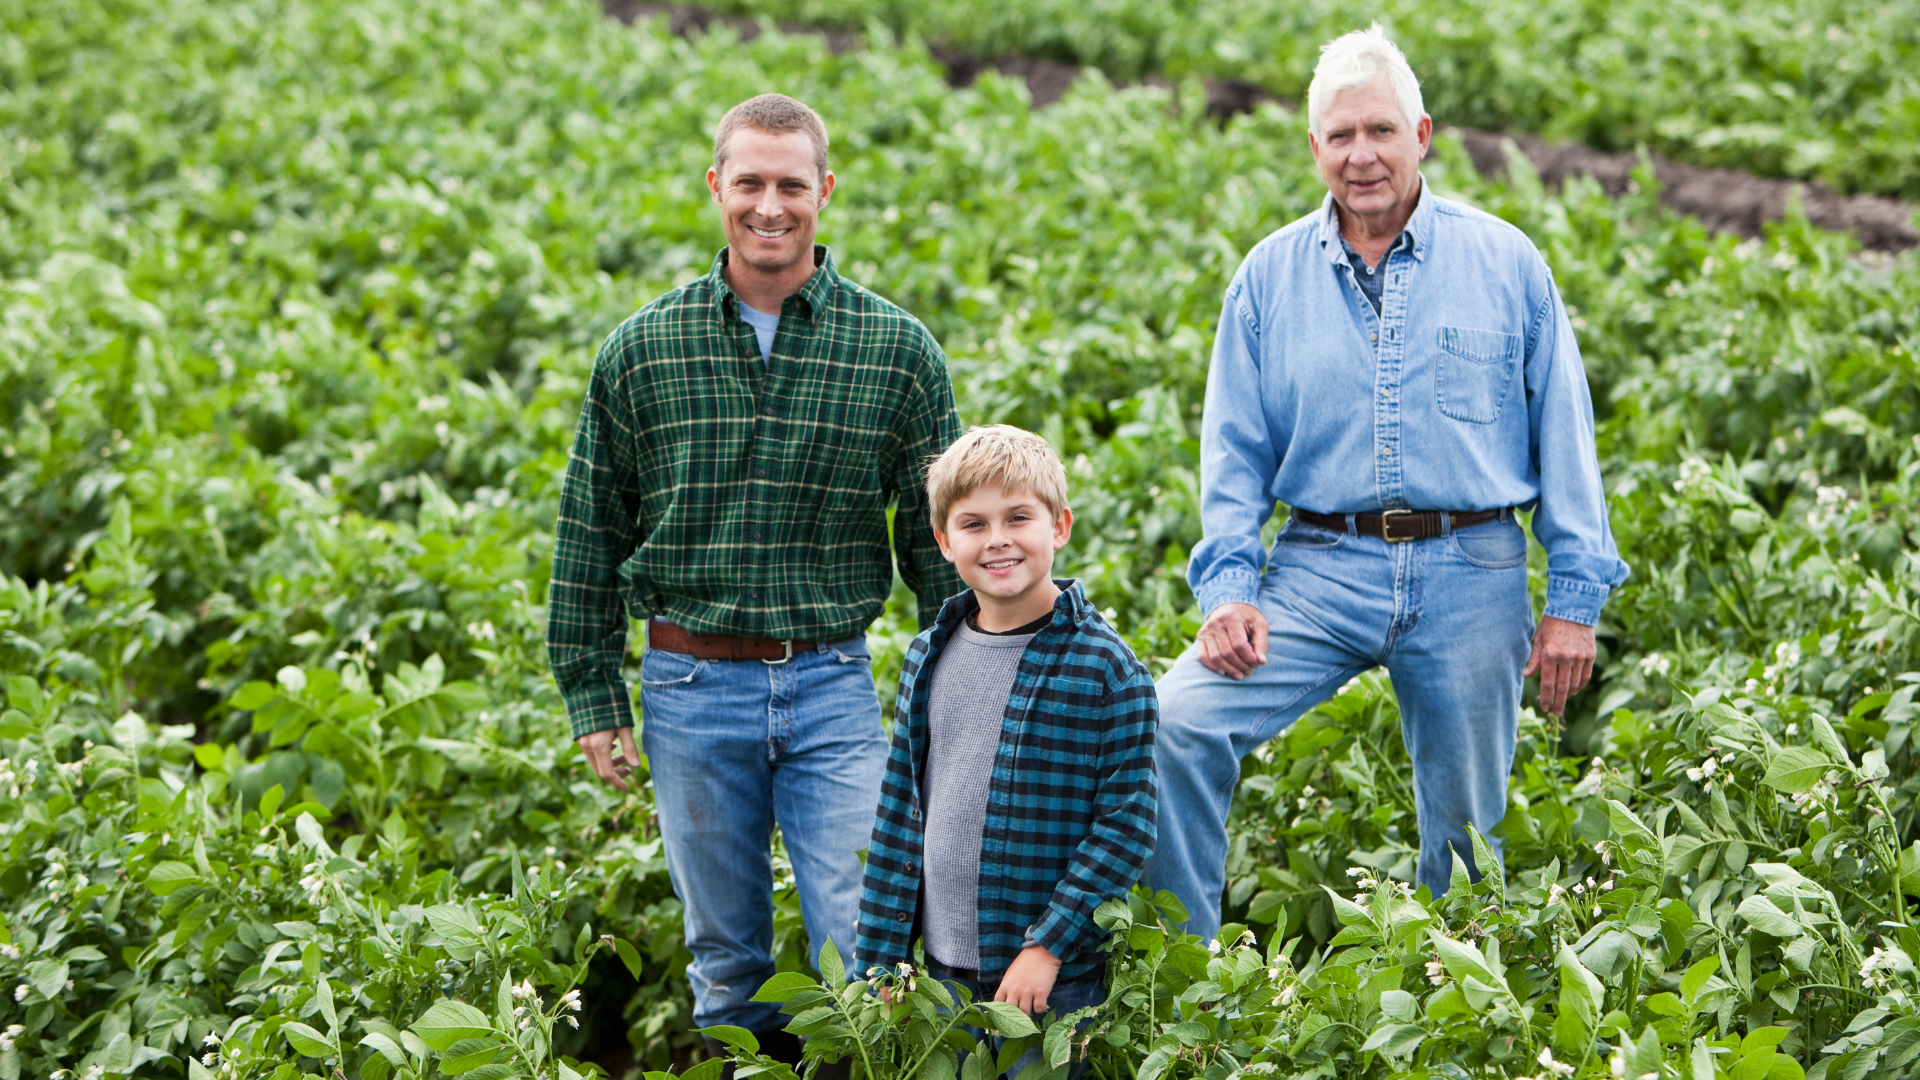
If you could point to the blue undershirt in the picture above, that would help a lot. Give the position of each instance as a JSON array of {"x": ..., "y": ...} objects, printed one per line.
[
  {"x": 764, "y": 328},
  {"x": 1372, "y": 282}
]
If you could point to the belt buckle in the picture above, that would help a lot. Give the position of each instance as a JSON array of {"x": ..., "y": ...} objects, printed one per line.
[
  {"x": 776, "y": 663},
  {"x": 1386, "y": 527}
]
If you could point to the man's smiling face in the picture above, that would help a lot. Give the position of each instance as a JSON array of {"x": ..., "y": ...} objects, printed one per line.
[
  {"x": 770, "y": 193},
  {"x": 1368, "y": 153}
]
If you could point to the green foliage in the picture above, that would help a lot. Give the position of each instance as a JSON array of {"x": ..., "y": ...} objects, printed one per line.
[
  {"x": 296, "y": 307},
  {"x": 1810, "y": 88}
]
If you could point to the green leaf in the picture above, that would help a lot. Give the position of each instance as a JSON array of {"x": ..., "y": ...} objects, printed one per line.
[
  {"x": 1155, "y": 1064},
  {"x": 168, "y": 876},
  {"x": 1008, "y": 1020},
  {"x": 469, "y": 1054},
  {"x": 737, "y": 1037},
  {"x": 306, "y": 1040},
  {"x": 832, "y": 971},
  {"x": 48, "y": 977},
  {"x": 710, "y": 1069},
  {"x": 1794, "y": 769},
  {"x": 782, "y": 986},
  {"x": 1827, "y": 739},
  {"x": 979, "y": 1064},
  {"x": 1764, "y": 917},
  {"x": 1697, "y": 976},
  {"x": 386, "y": 1048},
  {"x": 1395, "y": 1040},
  {"x": 630, "y": 956},
  {"x": 448, "y": 1021},
  {"x": 1461, "y": 959}
]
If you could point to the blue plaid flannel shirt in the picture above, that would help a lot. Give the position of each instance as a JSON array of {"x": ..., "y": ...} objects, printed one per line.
[{"x": 1070, "y": 811}]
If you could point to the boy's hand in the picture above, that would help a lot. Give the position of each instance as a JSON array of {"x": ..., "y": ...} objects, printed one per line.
[{"x": 1029, "y": 980}]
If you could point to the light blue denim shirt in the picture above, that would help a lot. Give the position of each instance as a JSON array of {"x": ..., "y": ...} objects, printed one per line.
[{"x": 1464, "y": 393}]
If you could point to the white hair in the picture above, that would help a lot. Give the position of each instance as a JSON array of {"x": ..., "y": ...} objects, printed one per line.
[{"x": 1355, "y": 61}]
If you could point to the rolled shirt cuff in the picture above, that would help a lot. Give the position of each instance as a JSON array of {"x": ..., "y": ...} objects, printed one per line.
[
  {"x": 1228, "y": 587},
  {"x": 599, "y": 706},
  {"x": 1575, "y": 601}
]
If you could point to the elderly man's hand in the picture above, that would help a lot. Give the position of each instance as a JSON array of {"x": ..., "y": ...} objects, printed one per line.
[
  {"x": 1234, "y": 640},
  {"x": 610, "y": 762},
  {"x": 1563, "y": 657}
]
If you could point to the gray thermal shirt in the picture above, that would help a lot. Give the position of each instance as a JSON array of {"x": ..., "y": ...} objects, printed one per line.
[{"x": 966, "y": 705}]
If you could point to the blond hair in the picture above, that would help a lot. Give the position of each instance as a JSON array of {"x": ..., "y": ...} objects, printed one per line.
[
  {"x": 775, "y": 114},
  {"x": 1001, "y": 456}
]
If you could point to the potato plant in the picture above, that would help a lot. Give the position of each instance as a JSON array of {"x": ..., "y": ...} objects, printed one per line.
[{"x": 296, "y": 306}]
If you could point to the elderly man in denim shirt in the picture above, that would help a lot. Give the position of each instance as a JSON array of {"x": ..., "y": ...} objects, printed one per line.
[{"x": 1400, "y": 371}]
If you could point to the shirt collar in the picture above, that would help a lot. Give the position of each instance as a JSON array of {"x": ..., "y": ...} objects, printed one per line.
[
  {"x": 1419, "y": 227},
  {"x": 1072, "y": 605},
  {"x": 813, "y": 296}
]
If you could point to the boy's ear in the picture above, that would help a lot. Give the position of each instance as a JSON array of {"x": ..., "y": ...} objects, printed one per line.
[
  {"x": 1062, "y": 528},
  {"x": 940, "y": 537}
]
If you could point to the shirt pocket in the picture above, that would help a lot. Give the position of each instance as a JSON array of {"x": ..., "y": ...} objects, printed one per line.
[{"x": 1476, "y": 372}]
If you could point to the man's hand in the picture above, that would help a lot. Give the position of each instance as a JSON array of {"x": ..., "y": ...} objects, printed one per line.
[
  {"x": 1029, "y": 980},
  {"x": 609, "y": 762},
  {"x": 1563, "y": 658},
  {"x": 1234, "y": 640}
]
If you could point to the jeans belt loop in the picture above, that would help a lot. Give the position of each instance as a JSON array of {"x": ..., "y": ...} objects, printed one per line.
[
  {"x": 1352, "y": 528},
  {"x": 1446, "y": 523}
]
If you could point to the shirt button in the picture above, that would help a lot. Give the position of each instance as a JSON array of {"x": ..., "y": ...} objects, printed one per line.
[
  {"x": 755, "y": 594},
  {"x": 911, "y": 868},
  {"x": 761, "y": 473},
  {"x": 1385, "y": 452},
  {"x": 1373, "y": 337},
  {"x": 901, "y": 917},
  {"x": 756, "y": 534},
  {"x": 769, "y": 410}
]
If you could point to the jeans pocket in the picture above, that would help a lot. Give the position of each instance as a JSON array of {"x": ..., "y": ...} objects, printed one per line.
[
  {"x": 1300, "y": 534},
  {"x": 663, "y": 670},
  {"x": 1497, "y": 545},
  {"x": 851, "y": 651},
  {"x": 1476, "y": 372}
]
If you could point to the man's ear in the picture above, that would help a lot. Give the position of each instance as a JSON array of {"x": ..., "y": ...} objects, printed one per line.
[
  {"x": 826, "y": 189},
  {"x": 1063, "y": 528},
  {"x": 713, "y": 183}
]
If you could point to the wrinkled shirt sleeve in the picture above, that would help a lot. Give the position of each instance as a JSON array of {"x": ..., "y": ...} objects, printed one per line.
[
  {"x": 595, "y": 533},
  {"x": 1583, "y": 566},
  {"x": 1238, "y": 459}
]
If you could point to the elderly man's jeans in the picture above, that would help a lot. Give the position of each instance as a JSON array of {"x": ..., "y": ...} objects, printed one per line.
[
  {"x": 733, "y": 747},
  {"x": 1066, "y": 997},
  {"x": 1450, "y": 620}
]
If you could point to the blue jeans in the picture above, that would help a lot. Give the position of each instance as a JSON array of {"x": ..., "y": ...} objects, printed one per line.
[
  {"x": 1065, "y": 998},
  {"x": 1450, "y": 620},
  {"x": 733, "y": 747}
]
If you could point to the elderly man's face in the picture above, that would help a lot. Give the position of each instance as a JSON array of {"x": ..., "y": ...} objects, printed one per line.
[{"x": 1368, "y": 155}]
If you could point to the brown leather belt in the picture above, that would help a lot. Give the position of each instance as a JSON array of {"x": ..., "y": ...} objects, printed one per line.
[
  {"x": 1400, "y": 526},
  {"x": 665, "y": 635}
]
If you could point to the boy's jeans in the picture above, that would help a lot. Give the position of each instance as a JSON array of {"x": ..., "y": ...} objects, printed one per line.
[
  {"x": 734, "y": 746},
  {"x": 1450, "y": 620},
  {"x": 1065, "y": 997}
]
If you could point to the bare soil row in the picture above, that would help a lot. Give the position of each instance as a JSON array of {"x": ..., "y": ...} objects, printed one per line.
[{"x": 1723, "y": 199}]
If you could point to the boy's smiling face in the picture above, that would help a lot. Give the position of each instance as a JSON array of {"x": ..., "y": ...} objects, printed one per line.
[{"x": 1002, "y": 543}]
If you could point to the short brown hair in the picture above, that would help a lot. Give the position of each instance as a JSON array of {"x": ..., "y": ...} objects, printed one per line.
[
  {"x": 775, "y": 114},
  {"x": 1001, "y": 456}
]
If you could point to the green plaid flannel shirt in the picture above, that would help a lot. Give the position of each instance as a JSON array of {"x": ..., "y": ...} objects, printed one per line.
[{"x": 733, "y": 496}]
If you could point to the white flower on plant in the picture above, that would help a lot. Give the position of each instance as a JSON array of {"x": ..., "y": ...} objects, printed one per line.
[
  {"x": 571, "y": 999},
  {"x": 1213, "y": 946},
  {"x": 1655, "y": 664},
  {"x": 575, "y": 1023},
  {"x": 1554, "y": 1068},
  {"x": 1436, "y": 972},
  {"x": 11, "y": 952},
  {"x": 1792, "y": 730},
  {"x": 1556, "y": 894},
  {"x": 212, "y": 1039},
  {"x": 1287, "y": 996},
  {"x": 523, "y": 990},
  {"x": 1692, "y": 472},
  {"x": 6, "y": 1044},
  {"x": 209, "y": 1058},
  {"x": 20, "y": 992}
]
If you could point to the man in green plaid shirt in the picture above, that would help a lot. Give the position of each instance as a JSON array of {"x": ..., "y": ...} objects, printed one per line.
[{"x": 740, "y": 443}]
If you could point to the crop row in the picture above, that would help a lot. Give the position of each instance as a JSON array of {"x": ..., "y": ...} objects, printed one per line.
[
  {"x": 1819, "y": 89},
  {"x": 296, "y": 306}
]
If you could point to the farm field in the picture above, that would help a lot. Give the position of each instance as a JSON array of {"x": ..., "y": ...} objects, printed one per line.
[
  {"x": 1805, "y": 88},
  {"x": 297, "y": 304}
]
